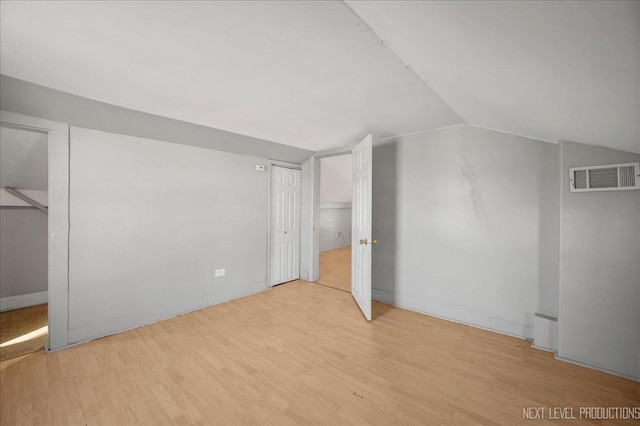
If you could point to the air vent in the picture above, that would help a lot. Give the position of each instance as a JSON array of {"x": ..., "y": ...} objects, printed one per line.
[{"x": 611, "y": 177}]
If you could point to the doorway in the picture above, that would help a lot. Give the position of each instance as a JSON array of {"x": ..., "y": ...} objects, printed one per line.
[
  {"x": 362, "y": 241},
  {"x": 57, "y": 205},
  {"x": 334, "y": 222},
  {"x": 23, "y": 240}
]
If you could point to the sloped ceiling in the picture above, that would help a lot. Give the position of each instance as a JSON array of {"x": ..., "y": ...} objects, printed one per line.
[
  {"x": 546, "y": 70},
  {"x": 23, "y": 159},
  {"x": 316, "y": 75},
  {"x": 306, "y": 74}
]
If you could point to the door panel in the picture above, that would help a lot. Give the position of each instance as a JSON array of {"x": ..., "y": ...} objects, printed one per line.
[
  {"x": 361, "y": 239},
  {"x": 285, "y": 229}
]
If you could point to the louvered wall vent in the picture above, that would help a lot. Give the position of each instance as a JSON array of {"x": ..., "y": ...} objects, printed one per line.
[{"x": 612, "y": 177}]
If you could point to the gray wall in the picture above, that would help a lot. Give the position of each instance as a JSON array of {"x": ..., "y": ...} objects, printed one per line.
[
  {"x": 150, "y": 222},
  {"x": 38, "y": 101},
  {"x": 467, "y": 220},
  {"x": 332, "y": 221},
  {"x": 335, "y": 179},
  {"x": 23, "y": 251},
  {"x": 599, "y": 321}
]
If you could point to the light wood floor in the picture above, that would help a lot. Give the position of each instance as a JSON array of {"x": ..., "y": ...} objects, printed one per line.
[
  {"x": 299, "y": 354},
  {"x": 21, "y": 322},
  {"x": 335, "y": 269}
]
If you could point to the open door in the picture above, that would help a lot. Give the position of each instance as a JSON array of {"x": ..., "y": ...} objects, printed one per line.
[{"x": 361, "y": 240}]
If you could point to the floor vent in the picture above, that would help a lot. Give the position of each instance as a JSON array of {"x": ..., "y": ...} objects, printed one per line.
[{"x": 611, "y": 177}]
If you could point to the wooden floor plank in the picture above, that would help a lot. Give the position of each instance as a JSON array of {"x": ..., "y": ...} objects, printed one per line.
[
  {"x": 300, "y": 354},
  {"x": 335, "y": 269},
  {"x": 19, "y": 322}
]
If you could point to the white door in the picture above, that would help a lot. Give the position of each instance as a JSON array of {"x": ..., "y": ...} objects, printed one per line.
[
  {"x": 285, "y": 225},
  {"x": 361, "y": 239}
]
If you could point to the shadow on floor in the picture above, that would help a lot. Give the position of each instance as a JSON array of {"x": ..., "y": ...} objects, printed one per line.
[
  {"x": 379, "y": 309},
  {"x": 23, "y": 331}
]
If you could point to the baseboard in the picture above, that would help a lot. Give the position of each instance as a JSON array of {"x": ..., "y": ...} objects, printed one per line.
[
  {"x": 497, "y": 325},
  {"x": 521, "y": 331},
  {"x": 10, "y": 303},
  {"x": 595, "y": 367},
  {"x": 85, "y": 334}
]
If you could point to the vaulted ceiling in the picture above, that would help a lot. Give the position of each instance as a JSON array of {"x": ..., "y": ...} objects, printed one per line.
[
  {"x": 547, "y": 70},
  {"x": 319, "y": 75}
]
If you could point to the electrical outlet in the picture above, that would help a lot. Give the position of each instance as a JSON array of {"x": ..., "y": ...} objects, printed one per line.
[
  {"x": 338, "y": 234},
  {"x": 220, "y": 272}
]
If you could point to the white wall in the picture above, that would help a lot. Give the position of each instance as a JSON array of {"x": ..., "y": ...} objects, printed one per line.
[
  {"x": 23, "y": 250},
  {"x": 335, "y": 179},
  {"x": 333, "y": 221},
  {"x": 468, "y": 224},
  {"x": 463, "y": 223},
  {"x": 335, "y": 202},
  {"x": 599, "y": 323},
  {"x": 150, "y": 222},
  {"x": 23, "y": 256}
]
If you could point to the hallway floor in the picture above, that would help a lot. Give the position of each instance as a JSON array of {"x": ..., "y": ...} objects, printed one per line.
[
  {"x": 335, "y": 269},
  {"x": 23, "y": 331}
]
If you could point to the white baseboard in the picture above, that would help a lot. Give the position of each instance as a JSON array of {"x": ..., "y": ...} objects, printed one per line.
[
  {"x": 521, "y": 331},
  {"x": 24, "y": 301},
  {"x": 595, "y": 367}
]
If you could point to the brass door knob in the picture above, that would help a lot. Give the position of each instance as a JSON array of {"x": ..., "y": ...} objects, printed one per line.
[{"x": 366, "y": 241}]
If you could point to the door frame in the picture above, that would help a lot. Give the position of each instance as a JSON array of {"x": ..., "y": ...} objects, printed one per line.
[
  {"x": 286, "y": 165},
  {"x": 57, "y": 222},
  {"x": 315, "y": 172}
]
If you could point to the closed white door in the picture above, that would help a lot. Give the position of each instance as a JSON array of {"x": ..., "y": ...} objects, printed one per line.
[
  {"x": 361, "y": 239},
  {"x": 285, "y": 225}
]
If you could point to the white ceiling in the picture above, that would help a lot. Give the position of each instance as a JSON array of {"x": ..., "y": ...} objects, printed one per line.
[
  {"x": 547, "y": 70},
  {"x": 23, "y": 159},
  {"x": 306, "y": 74},
  {"x": 314, "y": 74}
]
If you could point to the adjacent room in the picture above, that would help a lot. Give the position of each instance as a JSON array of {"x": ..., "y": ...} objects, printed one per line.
[
  {"x": 23, "y": 245},
  {"x": 335, "y": 222},
  {"x": 328, "y": 212}
]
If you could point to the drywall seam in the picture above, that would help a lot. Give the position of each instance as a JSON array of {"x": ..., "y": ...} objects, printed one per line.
[
  {"x": 514, "y": 134},
  {"x": 391, "y": 139},
  {"x": 406, "y": 65}
]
